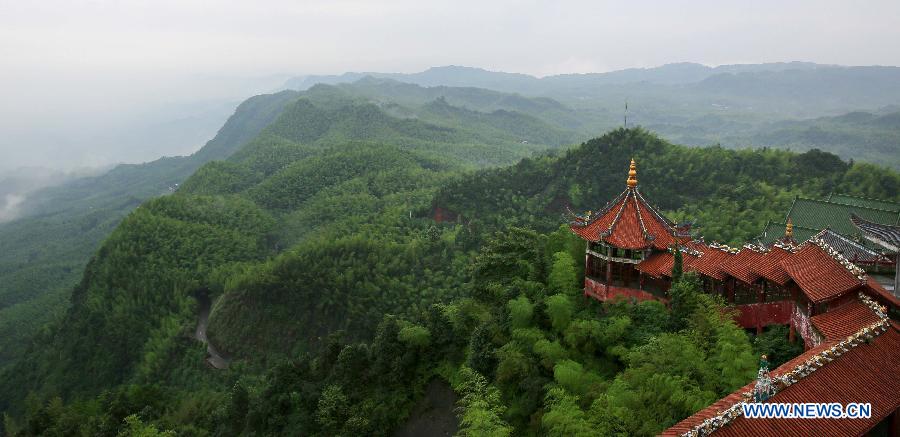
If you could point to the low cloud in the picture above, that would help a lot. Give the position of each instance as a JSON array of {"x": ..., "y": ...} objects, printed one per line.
[{"x": 9, "y": 207}]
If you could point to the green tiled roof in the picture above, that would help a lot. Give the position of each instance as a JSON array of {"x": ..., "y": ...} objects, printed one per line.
[
  {"x": 864, "y": 202},
  {"x": 774, "y": 231},
  {"x": 821, "y": 214}
]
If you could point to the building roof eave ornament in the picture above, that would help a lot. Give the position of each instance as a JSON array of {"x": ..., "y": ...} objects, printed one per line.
[{"x": 632, "y": 175}]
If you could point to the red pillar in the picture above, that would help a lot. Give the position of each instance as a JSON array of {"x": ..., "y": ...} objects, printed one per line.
[{"x": 729, "y": 287}]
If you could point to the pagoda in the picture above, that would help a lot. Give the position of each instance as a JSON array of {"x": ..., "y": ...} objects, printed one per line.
[{"x": 621, "y": 235}]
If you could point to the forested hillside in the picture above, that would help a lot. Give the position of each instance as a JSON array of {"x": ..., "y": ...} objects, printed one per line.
[
  {"x": 729, "y": 193},
  {"x": 47, "y": 249},
  {"x": 338, "y": 297},
  {"x": 312, "y": 154},
  {"x": 861, "y": 136}
]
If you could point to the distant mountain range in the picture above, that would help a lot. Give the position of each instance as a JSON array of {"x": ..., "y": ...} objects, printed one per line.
[
  {"x": 771, "y": 90},
  {"x": 459, "y": 76}
]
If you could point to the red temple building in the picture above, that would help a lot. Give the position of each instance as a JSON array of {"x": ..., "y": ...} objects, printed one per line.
[
  {"x": 630, "y": 254},
  {"x": 828, "y": 301},
  {"x": 619, "y": 237}
]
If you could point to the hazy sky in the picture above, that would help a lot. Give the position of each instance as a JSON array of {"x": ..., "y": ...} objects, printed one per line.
[{"x": 72, "y": 71}]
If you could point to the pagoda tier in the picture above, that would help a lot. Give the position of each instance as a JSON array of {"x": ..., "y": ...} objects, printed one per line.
[{"x": 629, "y": 222}]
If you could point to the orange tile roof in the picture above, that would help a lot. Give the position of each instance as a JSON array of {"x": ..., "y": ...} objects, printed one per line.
[
  {"x": 818, "y": 274},
  {"x": 695, "y": 256},
  {"x": 629, "y": 222},
  {"x": 769, "y": 266},
  {"x": 711, "y": 262},
  {"x": 869, "y": 372},
  {"x": 840, "y": 322},
  {"x": 657, "y": 265},
  {"x": 738, "y": 266}
]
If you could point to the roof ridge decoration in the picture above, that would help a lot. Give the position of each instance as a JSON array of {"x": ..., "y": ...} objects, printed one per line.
[
  {"x": 835, "y": 255},
  {"x": 687, "y": 250},
  {"x": 723, "y": 247},
  {"x": 637, "y": 208},
  {"x": 792, "y": 248},
  {"x": 756, "y": 248},
  {"x": 800, "y": 371},
  {"x": 609, "y": 205},
  {"x": 612, "y": 225}
]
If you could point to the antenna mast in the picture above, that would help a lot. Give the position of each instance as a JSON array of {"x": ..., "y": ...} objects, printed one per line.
[{"x": 626, "y": 114}]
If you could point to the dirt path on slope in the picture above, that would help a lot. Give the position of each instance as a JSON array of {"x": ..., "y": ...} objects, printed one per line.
[{"x": 214, "y": 358}]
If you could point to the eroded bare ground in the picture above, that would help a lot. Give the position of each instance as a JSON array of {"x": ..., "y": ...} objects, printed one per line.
[{"x": 434, "y": 415}]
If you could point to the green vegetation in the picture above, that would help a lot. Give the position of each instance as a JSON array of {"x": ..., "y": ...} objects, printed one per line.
[
  {"x": 567, "y": 364},
  {"x": 338, "y": 297},
  {"x": 729, "y": 193},
  {"x": 49, "y": 247}
]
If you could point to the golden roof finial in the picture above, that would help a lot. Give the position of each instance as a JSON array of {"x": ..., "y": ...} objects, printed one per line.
[
  {"x": 789, "y": 229},
  {"x": 632, "y": 175}
]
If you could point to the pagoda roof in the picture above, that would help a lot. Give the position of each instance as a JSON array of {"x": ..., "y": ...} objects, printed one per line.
[
  {"x": 884, "y": 235},
  {"x": 629, "y": 221}
]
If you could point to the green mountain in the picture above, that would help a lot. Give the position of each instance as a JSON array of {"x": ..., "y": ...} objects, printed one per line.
[
  {"x": 64, "y": 225},
  {"x": 46, "y": 249},
  {"x": 730, "y": 193},
  {"x": 337, "y": 298},
  {"x": 788, "y": 105},
  {"x": 861, "y": 136}
]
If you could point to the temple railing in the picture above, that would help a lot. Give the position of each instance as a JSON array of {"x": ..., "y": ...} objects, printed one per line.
[
  {"x": 593, "y": 284},
  {"x": 614, "y": 259}
]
